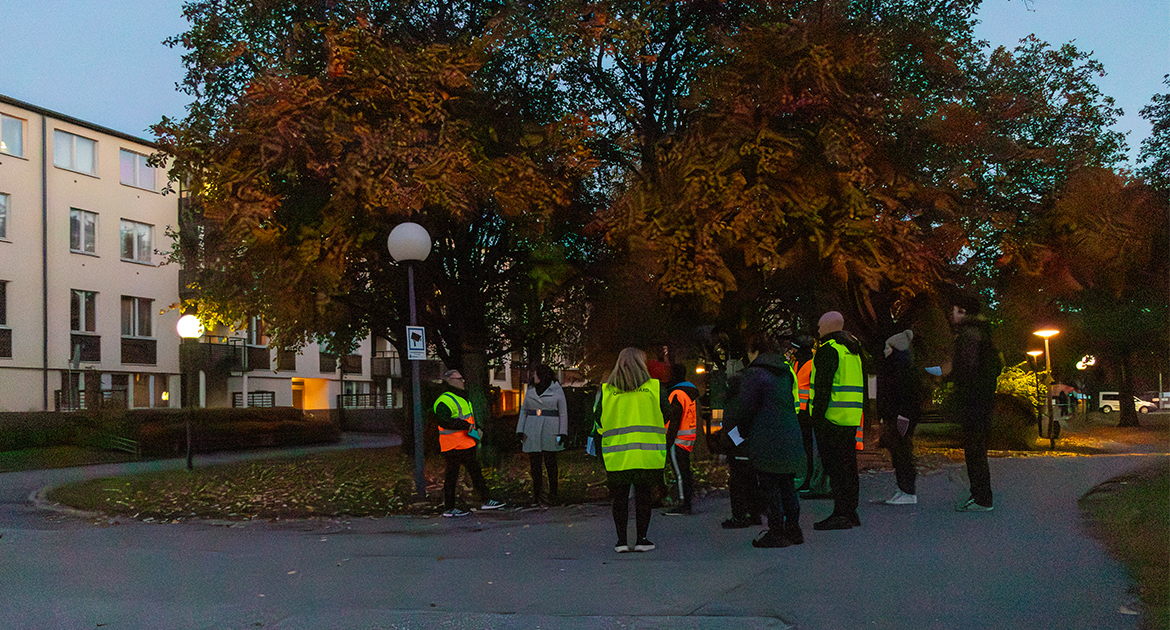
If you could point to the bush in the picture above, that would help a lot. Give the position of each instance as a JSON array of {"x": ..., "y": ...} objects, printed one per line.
[{"x": 163, "y": 432}]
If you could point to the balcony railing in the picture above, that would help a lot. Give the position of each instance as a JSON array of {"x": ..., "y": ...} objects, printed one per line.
[
  {"x": 365, "y": 401},
  {"x": 139, "y": 351}
]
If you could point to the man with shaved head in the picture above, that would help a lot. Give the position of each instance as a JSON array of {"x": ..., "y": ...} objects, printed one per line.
[{"x": 838, "y": 391}]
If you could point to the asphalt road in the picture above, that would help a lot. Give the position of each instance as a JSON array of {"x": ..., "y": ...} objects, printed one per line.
[{"x": 1028, "y": 564}]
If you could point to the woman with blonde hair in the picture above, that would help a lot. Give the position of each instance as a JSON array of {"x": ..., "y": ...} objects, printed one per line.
[{"x": 631, "y": 420}]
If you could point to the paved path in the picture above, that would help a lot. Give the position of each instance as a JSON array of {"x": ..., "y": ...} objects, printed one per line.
[{"x": 1028, "y": 564}]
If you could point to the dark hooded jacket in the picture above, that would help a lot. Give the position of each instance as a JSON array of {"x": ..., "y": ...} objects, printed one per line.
[{"x": 765, "y": 412}]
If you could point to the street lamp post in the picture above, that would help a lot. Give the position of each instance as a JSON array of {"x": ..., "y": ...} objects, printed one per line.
[
  {"x": 1034, "y": 356},
  {"x": 189, "y": 327},
  {"x": 410, "y": 242},
  {"x": 1045, "y": 334}
]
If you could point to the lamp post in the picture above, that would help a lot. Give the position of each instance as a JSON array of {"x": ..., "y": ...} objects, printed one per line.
[
  {"x": 1034, "y": 355},
  {"x": 1045, "y": 334},
  {"x": 189, "y": 327},
  {"x": 410, "y": 242}
]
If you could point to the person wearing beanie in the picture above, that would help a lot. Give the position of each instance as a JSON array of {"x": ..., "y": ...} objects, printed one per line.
[
  {"x": 838, "y": 398},
  {"x": 899, "y": 403}
]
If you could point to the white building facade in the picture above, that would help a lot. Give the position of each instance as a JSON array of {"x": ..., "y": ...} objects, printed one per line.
[{"x": 85, "y": 302}]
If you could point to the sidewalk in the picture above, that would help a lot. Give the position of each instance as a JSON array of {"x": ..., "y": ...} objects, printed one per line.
[{"x": 1027, "y": 564}]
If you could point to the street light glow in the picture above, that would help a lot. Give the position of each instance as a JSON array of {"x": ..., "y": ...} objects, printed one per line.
[
  {"x": 1046, "y": 333},
  {"x": 189, "y": 327},
  {"x": 1035, "y": 353}
]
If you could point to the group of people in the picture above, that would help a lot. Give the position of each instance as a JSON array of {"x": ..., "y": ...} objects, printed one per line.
[{"x": 790, "y": 408}]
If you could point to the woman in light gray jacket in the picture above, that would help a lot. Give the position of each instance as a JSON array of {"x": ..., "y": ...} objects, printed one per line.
[{"x": 543, "y": 425}]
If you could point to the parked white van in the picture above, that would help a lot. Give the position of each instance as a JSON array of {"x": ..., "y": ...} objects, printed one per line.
[{"x": 1109, "y": 402}]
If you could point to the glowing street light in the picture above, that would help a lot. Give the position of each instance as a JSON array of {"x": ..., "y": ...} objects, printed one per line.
[
  {"x": 189, "y": 327},
  {"x": 1046, "y": 334}
]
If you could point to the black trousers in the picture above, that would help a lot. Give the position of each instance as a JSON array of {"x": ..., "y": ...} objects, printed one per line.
[
  {"x": 837, "y": 445},
  {"x": 464, "y": 457},
  {"x": 780, "y": 499},
  {"x": 619, "y": 494},
  {"x": 902, "y": 455},
  {"x": 680, "y": 459},
  {"x": 534, "y": 468},
  {"x": 978, "y": 471},
  {"x": 744, "y": 488}
]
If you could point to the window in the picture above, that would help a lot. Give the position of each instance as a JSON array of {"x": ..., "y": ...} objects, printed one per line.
[
  {"x": 135, "y": 241},
  {"x": 12, "y": 136},
  {"x": 3, "y": 215},
  {"x": 135, "y": 171},
  {"x": 257, "y": 332},
  {"x": 136, "y": 316},
  {"x": 5, "y": 332},
  {"x": 82, "y": 231},
  {"x": 74, "y": 152},
  {"x": 83, "y": 311}
]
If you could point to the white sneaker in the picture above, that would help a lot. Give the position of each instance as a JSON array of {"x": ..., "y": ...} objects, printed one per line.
[
  {"x": 492, "y": 504},
  {"x": 901, "y": 498}
]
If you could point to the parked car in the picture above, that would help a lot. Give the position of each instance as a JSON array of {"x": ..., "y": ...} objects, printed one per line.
[{"x": 1109, "y": 402}]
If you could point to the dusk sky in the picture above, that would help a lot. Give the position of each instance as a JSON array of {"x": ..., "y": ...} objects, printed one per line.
[{"x": 103, "y": 61}]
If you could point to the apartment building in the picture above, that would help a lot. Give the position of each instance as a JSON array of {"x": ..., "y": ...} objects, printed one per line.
[
  {"x": 85, "y": 301},
  {"x": 88, "y": 310}
]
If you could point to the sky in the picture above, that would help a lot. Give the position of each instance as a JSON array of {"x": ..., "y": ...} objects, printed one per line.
[{"x": 103, "y": 61}]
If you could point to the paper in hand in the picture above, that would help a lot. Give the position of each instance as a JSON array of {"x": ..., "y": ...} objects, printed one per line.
[
  {"x": 903, "y": 425},
  {"x": 936, "y": 370},
  {"x": 736, "y": 438}
]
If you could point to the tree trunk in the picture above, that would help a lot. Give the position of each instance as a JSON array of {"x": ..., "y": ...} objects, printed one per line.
[{"x": 1129, "y": 416}]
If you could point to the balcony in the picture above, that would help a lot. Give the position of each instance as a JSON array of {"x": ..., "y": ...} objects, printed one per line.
[
  {"x": 138, "y": 351},
  {"x": 91, "y": 346}
]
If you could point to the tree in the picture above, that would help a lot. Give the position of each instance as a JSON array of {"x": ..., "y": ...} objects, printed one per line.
[
  {"x": 1107, "y": 271},
  {"x": 1155, "y": 153},
  {"x": 300, "y": 178}
]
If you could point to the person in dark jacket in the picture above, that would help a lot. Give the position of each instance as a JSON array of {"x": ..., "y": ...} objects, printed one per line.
[
  {"x": 743, "y": 487},
  {"x": 837, "y": 403},
  {"x": 975, "y": 371},
  {"x": 899, "y": 404},
  {"x": 766, "y": 420}
]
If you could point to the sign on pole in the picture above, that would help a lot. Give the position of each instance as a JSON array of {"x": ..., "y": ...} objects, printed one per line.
[{"x": 416, "y": 343}]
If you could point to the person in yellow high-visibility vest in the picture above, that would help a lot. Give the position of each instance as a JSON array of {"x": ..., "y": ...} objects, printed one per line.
[
  {"x": 631, "y": 420},
  {"x": 838, "y": 398}
]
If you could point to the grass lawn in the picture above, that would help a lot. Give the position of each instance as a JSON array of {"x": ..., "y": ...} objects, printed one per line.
[
  {"x": 1130, "y": 515},
  {"x": 362, "y": 482}
]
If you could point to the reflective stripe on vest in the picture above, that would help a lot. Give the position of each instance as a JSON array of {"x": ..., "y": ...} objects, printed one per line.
[
  {"x": 455, "y": 439},
  {"x": 848, "y": 398},
  {"x": 804, "y": 383},
  {"x": 633, "y": 431},
  {"x": 859, "y": 437},
  {"x": 686, "y": 431}
]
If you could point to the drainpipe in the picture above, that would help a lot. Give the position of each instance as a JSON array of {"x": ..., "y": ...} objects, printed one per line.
[{"x": 45, "y": 259}]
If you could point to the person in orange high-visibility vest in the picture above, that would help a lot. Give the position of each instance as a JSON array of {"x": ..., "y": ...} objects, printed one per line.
[
  {"x": 814, "y": 484},
  {"x": 455, "y": 418},
  {"x": 681, "y": 429}
]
